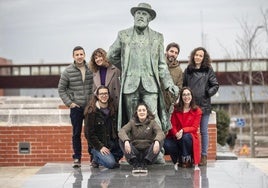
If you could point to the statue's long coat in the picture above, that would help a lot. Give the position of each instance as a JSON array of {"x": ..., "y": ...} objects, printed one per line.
[{"x": 119, "y": 56}]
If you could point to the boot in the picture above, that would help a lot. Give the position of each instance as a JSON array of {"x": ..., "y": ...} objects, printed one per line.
[
  {"x": 187, "y": 162},
  {"x": 203, "y": 161}
]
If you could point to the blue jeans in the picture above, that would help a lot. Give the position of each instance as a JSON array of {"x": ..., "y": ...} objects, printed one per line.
[
  {"x": 179, "y": 150},
  {"x": 77, "y": 116},
  {"x": 107, "y": 161},
  {"x": 204, "y": 133}
]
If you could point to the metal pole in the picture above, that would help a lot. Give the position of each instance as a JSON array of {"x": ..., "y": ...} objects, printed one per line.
[
  {"x": 252, "y": 148},
  {"x": 252, "y": 139}
]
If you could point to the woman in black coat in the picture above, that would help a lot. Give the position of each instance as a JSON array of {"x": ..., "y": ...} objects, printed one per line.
[
  {"x": 201, "y": 78},
  {"x": 101, "y": 130}
]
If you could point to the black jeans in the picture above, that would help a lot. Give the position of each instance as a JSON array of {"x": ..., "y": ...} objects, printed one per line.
[
  {"x": 141, "y": 155},
  {"x": 77, "y": 116}
]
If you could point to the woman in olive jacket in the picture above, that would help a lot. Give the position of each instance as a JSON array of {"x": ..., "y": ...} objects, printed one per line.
[
  {"x": 141, "y": 138},
  {"x": 201, "y": 78}
]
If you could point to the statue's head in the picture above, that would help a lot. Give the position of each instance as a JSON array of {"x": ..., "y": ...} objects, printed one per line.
[
  {"x": 146, "y": 7},
  {"x": 143, "y": 14}
]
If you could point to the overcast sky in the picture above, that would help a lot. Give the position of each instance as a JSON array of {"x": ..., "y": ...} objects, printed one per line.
[{"x": 34, "y": 31}]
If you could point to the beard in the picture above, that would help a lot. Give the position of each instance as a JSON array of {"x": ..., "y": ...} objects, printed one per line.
[
  {"x": 171, "y": 59},
  {"x": 141, "y": 24}
]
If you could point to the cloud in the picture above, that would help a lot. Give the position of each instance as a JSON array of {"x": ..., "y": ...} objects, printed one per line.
[{"x": 48, "y": 29}]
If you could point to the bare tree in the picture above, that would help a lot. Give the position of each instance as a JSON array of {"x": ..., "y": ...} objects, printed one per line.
[{"x": 251, "y": 43}]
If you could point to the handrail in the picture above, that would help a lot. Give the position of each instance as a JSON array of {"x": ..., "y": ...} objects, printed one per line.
[
  {"x": 236, "y": 65},
  {"x": 219, "y": 65},
  {"x": 31, "y": 69}
]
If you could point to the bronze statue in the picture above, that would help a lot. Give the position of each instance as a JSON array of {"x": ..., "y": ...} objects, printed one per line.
[{"x": 139, "y": 53}]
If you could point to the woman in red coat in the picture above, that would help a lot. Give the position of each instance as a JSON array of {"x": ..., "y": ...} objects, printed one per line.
[{"x": 182, "y": 141}]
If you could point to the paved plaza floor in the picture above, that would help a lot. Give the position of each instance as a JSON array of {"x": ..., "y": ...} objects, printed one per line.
[{"x": 241, "y": 173}]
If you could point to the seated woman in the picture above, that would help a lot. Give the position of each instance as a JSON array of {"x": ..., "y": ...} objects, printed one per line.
[
  {"x": 101, "y": 129},
  {"x": 141, "y": 139},
  {"x": 182, "y": 141}
]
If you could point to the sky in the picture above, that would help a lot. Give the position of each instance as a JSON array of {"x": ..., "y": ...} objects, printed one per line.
[{"x": 46, "y": 31}]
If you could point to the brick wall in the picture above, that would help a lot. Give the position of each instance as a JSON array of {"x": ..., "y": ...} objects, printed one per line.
[
  {"x": 47, "y": 144},
  {"x": 212, "y": 148},
  {"x": 53, "y": 144}
]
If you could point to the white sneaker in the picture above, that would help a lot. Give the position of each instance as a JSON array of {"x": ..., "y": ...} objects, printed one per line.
[
  {"x": 76, "y": 163},
  {"x": 176, "y": 166},
  {"x": 135, "y": 170},
  {"x": 196, "y": 167}
]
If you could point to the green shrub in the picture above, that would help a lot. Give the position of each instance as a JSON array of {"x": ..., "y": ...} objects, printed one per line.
[{"x": 223, "y": 121}]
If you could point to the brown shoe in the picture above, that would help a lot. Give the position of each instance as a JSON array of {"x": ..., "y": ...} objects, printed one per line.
[
  {"x": 186, "y": 165},
  {"x": 203, "y": 161},
  {"x": 94, "y": 164}
]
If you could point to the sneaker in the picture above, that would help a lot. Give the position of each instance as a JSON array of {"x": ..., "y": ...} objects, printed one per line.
[
  {"x": 196, "y": 167},
  {"x": 143, "y": 168},
  {"x": 76, "y": 163},
  {"x": 176, "y": 166},
  {"x": 136, "y": 168},
  {"x": 94, "y": 164}
]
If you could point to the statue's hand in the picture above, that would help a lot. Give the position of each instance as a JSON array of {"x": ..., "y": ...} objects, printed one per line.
[{"x": 174, "y": 90}]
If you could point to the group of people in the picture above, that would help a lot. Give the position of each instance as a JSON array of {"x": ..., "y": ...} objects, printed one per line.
[{"x": 137, "y": 102}]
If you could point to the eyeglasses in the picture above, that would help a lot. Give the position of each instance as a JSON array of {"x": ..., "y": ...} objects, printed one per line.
[
  {"x": 141, "y": 110},
  {"x": 186, "y": 94},
  {"x": 104, "y": 94}
]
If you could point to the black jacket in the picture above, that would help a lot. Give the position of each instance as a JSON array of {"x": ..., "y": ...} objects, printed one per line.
[
  {"x": 100, "y": 130},
  {"x": 204, "y": 85}
]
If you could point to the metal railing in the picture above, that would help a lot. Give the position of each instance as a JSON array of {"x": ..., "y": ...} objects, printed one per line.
[
  {"x": 31, "y": 69},
  {"x": 223, "y": 65},
  {"x": 236, "y": 65}
]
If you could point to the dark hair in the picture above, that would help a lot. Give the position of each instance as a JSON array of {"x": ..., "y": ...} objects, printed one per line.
[
  {"x": 98, "y": 52},
  {"x": 179, "y": 106},
  {"x": 150, "y": 115},
  {"x": 91, "y": 106},
  {"x": 78, "y": 48},
  {"x": 206, "y": 63},
  {"x": 173, "y": 44}
]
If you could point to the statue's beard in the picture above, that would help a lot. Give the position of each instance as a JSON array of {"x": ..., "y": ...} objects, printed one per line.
[
  {"x": 141, "y": 25},
  {"x": 141, "y": 28}
]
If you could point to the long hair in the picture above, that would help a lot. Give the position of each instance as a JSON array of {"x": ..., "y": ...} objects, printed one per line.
[
  {"x": 206, "y": 63},
  {"x": 98, "y": 52},
  {"x": 150, "y": 115},
  {"x": 179, "y": 106},
  {"x": 91, "y": 106}
]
